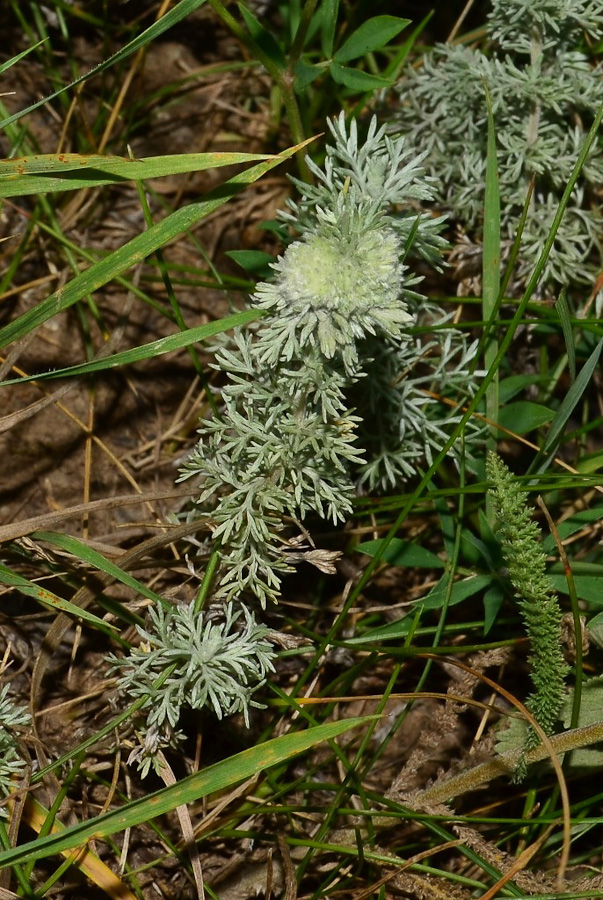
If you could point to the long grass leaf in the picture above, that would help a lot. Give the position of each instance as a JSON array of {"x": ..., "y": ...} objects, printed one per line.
[
  {"x": 15, "y": 59},
  {"x": 491, "y": 283},
  {"x": 92, "y": 557},
  {"x": 136, "y": 250},
  {"x": 148, "y": 351},
  {"x": 566, "y": 327},
  {"x": 88, "y": 863},
  {"x": 48, "y": 598},
  {"x": 569, "y": 403},
  {"x": 73, "y": 171},
  {"x": 217, "y": 777}
]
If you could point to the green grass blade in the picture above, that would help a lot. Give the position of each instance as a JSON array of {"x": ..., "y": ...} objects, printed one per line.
[
  {"x": 395, "y": 66},
  {"x": 491, "y": 284},
  {"x": 136, "y": 250},
  {"x": 87, "y": 554},
  {"x": 74, "y": 171},
  {"x": 545, "y": 456},
  {"x": 15, "y": 59},
  {"x": 216, "y": 777},
  {"x": 568, "y": 335},
  {"x": 175, "y": 15},
  {"x": 156, "y": 348},
  {"x": 509, "y": 268},
  {"x": 48, "y": 599}
]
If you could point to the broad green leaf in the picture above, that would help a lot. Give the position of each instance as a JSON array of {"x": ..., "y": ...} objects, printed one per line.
[
  {"x": 493, "y": 600},
  {"x": 330, "y": 10},
  {"x": 48, "y": 598},
  {"x": 590, "y": 462},
  {"x": 461, "y": 590},
  {"x": 570, "y": 526},
  {"x": 372, "y": 35},
  {"x": 262, "y": 37},
  {"x": 588, "y": 587},
  {"x": 524, "y": 416},
  {"x": 567, "y": 407},
  {"x": 136, "y": 250},
  {"x": 403, "y": 553},
  {"x": 214, "y": 778},
  {"x": 595, "y": 629},
  {"x": 476, "y": 551},
  {"x": 393, "y": 631},
  {"x": 514, "y": 384},
  {"x": 172, "y": 17},
  {"x": 72, "y": 171},
  {"x": 591, "y": 712},
  {"x": 448, "y": 520},
  {"x": 512, "y": 738},
  {"x": 255, "y": 261},
  {"x": 147, "y": 351},
  {"x": 305, "y": 74},
  {"x": 355, "y": 79}
]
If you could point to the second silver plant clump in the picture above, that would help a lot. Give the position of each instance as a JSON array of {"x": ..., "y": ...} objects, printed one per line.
[
  {"x": 339, "y": 325},
  {"x": 544, "y": 94}
]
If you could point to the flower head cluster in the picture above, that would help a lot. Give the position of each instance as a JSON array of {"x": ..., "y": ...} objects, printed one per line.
[
  {"x": 544, "y": 93},
  {"x": 198, "y": 660},
  {"x": 11, "y": 760},
  {"x": 326, "y": 296}
]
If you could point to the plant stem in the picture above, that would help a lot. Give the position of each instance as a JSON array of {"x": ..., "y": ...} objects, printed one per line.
[
  {"x": 302, "y": 31},
  {"x": 283, "y": 79},
  {"x": 473, "y": 778}
]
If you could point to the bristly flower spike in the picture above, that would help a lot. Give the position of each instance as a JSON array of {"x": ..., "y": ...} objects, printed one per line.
[{"x": 526, "y": 562}]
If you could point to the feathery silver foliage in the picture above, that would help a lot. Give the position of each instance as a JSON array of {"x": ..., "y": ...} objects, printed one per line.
[
  {"x": 544, "y": 94},
  {"x": 12, "y": 763},
  {"x": 211, "y": 662},
  {"x": 339, "y": 316}
]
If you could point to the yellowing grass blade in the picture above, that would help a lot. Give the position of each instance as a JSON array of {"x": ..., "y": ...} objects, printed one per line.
[
  {"x": 72, "y": 171},
  {"x": 47, "y": 598},
  {"x": 34, "y": 815},
  {"x": 134, "y": 251}
]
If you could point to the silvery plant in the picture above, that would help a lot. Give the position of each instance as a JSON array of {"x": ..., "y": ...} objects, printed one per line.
[
  {"x": 13, "y": 718},
  {"x": 339, "y": 387},
  {"x": 544, "y": 93},
  {"x": 340, "y": 323}
]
